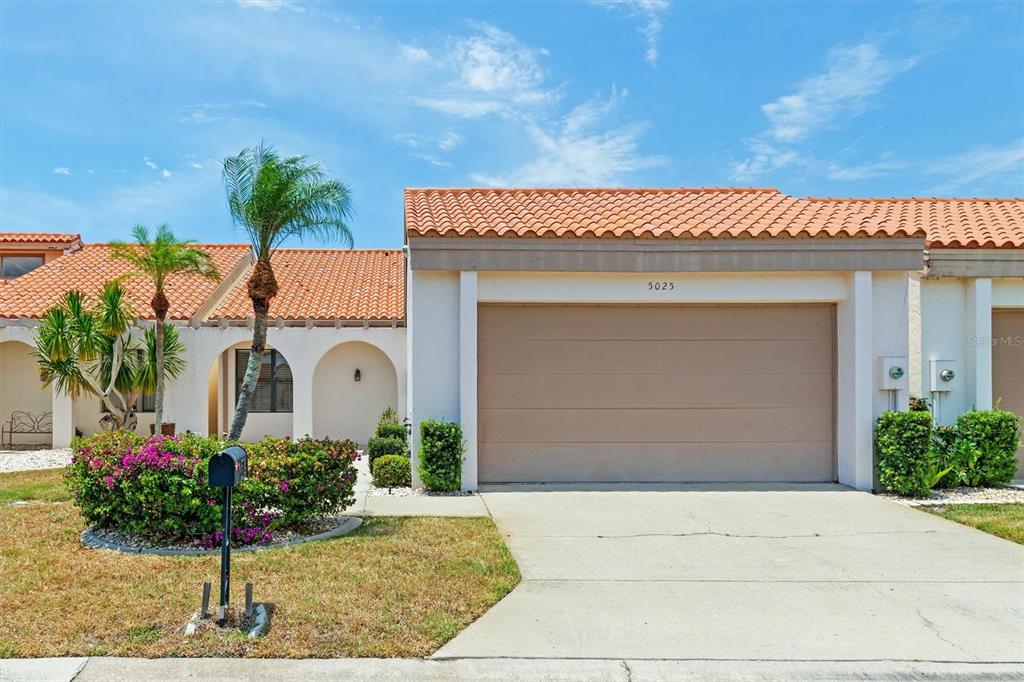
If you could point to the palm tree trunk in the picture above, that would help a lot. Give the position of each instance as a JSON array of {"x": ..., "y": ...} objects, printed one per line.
[
  {"x": 159, "y": 416},
  {"x": 252, "y": 375}
]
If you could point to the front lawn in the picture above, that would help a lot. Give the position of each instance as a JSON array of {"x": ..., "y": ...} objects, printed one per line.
[
  {"x": 398, "y": 586},
  {"x": 1004, "y": 520}
]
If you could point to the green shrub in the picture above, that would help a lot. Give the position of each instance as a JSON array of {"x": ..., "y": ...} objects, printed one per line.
[
  {"x": 996, "y": 435},
  {"x": 157, "y": 487},
  {"x": 440, "y": 454},
  {"x": 378, "y": 447},
  {"x": 388, "y": 415},
  {"x": 391, "y": 430},
  {"x": 392, "y": 471},
  {"x": 906, "y": 462}
]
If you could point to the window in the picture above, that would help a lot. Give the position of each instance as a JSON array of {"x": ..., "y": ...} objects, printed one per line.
[
  {"x": 16, "y": 266},
  {"x": 273, "y": 389}
]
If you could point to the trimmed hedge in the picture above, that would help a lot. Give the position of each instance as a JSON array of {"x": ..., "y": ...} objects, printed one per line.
[
  {"x": 157, "y": 487},
  {"x": 441, "y": 455},
  {"x": 378, "y": 447},
  {"x": 392, "y": 471},
  {"x": 391, "y": 430},
  {"x": 903, "y": 452},
  {"x": 996, "y": 436}
]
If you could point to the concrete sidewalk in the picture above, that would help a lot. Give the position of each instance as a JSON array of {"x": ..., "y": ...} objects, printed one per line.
[{"x": 488, "y": 670}]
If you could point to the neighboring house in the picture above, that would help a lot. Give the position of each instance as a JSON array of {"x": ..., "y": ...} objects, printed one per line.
[
  {"x": 338, "y": 311},
  {"x": 971, "y": 307},
  {"x": 670, "y": 334},
  {"x": 23, "y": 252}
]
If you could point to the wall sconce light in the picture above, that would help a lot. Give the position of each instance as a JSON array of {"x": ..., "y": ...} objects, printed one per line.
[{"x": 359, "y": 375}]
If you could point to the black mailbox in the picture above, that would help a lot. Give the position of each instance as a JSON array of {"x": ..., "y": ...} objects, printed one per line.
[{"x": 228, "y": 467}]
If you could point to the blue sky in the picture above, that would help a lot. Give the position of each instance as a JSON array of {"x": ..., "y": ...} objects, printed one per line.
[{"x": 118, "y": 113}]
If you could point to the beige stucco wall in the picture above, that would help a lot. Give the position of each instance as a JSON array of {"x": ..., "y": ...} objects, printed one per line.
[
  {"x": 343, "y": 407},
  {"x": 20, "y": 388}
]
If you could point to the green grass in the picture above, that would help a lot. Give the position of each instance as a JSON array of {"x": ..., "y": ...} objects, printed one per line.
[
  {"x": 398, "y": 586},
  {"x": 46, "y": 485},
  {"x": 1004, "y": 520}
]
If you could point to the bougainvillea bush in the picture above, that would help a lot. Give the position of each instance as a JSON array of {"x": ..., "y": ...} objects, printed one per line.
[{"x": 157, "y": 487}]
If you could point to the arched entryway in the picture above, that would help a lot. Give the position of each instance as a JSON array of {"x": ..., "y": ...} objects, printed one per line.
[
  {"x": 347, "y": 405},
  {"x": 270, "y": 411},
  {"x": 22, "y": 391}
]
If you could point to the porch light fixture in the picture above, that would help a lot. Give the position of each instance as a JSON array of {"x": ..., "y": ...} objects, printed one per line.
[{"x": 359, "y": 375}]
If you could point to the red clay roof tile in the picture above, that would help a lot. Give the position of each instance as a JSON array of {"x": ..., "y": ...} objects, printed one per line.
[{"x": 708, "y": 213}]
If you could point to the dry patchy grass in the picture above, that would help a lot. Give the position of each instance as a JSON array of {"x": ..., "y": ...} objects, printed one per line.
[
  {"x": 396, "y": 587},
  {"x": 1004, "y": 520},
  {"x": 44, "y": 485}
]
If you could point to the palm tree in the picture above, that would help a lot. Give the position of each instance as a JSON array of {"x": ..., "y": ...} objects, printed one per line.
[
  {"x": 157, "y": 257},
  {"x": 92, "y": 350},
  {"x": 273, "y": 199}
]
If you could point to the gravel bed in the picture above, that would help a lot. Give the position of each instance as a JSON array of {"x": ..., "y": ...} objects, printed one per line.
[
  {"x": 374, "y": 491},
  {"x": 28, "y": 460},
  {"x": 942, "y": 498},
  {"x": 107, "y": 538}
]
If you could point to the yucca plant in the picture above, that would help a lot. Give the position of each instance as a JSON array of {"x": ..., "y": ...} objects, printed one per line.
[
  {"x": 92, "y": 349},
  {"x": 274, "y": 199},
  {"x": 157, "y": 257}
]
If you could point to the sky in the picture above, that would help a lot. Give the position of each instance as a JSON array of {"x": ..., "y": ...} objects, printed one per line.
[{"x": 113, "y": 114}]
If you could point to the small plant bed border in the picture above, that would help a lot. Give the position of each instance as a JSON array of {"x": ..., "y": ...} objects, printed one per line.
[
  {"x": 103, "y": 538},
  {"x": 941, "y": 497},
  {"x": 374, "y": 491}
]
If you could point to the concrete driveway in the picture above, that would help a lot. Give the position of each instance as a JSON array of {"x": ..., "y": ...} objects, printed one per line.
[{"x": 786, "y": 573}]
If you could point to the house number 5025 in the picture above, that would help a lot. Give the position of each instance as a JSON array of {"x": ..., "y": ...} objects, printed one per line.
[{"x": 661, "y": 286}]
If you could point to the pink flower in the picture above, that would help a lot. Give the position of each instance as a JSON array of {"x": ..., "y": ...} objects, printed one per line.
[
  {"x": 283, "y": 485},
  {"x": 109, "y": 480}
]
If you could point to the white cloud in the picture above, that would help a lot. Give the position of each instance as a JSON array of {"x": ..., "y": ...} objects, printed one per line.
[
  {"x": 165, "y": 173},
  {"x": 853, "y": 75},
  {"x": 852, "y": 78},
  {"x": 149, "y": 163},
  {"x": 193, "y": 164},
  {"x": 455, "y": 106},
  {"x": 449, "y": 141},
  {"x": 997, "y": 166},
  {"x": 650, "y": 14},
  {"x": 578, "y": 150},
  {"x": 271, "y": 5},
  {"x": 863, "y": 171},
  {"x": 496, "y": 63},
  {"x": 62, "y": 170},
  {"x": 413, "y": 54},
  {"x": 432, "y": 160},
  {"x": 213, "y": 112}
]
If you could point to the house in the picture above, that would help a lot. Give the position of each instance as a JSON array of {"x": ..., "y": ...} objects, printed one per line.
[
  {"x": 336, "y": 342},
  {"x": 684, "y": 334},
  {"x": 598, "y": 335},
  {"x": 23, "y": 252},
  {"x": 968, "y": 307}
]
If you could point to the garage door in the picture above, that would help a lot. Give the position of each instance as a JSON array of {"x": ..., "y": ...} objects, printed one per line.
[
  {"x": 1008, "y": 365},
  {"x": 655, "y": 393}
]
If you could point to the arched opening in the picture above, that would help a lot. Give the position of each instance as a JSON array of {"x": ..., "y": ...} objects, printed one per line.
[
  {"x": 270, "y": 411},
  {"x": 345, "y": 406},
  {"x": 21, "y": 390}
]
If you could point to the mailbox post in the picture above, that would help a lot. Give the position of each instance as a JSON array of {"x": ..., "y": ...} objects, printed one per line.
[{"x": 227, "y": 469}]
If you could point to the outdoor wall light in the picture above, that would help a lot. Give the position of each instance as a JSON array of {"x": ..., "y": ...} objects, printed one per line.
[{"x": 359, "y": 375}]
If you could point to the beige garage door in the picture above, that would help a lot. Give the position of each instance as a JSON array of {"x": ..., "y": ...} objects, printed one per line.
[
  {"x": 655, "y": 393},
  {"x": 1008, "y": 365}
]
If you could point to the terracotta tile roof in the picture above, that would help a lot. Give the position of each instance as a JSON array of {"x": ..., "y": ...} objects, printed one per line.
[
  {"x": 328, "y": 284},
  {"x": 949, "y": 223},
  {"x": 54, "y": 238},
  {"x": 708, "y": 213},
  {"x": 89, "y": 268}
]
